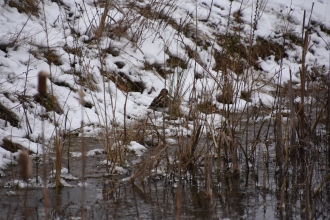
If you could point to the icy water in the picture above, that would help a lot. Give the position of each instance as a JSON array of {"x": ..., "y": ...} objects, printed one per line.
[
  {"x": 152, "y": 201},
  {"x": 233, "y": 197}
]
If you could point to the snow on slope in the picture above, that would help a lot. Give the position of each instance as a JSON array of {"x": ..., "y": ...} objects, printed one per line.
[{"x": 72, "y": 24}]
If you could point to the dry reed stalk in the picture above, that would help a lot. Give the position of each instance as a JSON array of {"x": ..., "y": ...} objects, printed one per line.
[
  {"x": 264, "y": 176},
  {"x": 328, "y": 116},
  {"x": 57, "y": 162},
  {"x": 233, "y": 148},
  {"x": 99, "y": 31},
  {"x": 279, "y": 139},
  {"x": 279, "y": 145},
  {"x": 208, "y": 176},
  {"x": 83, "y": 152},
  {"x": 46, "y": 201},
  {"x": 178, "y": 195},
  {"x": 317, "y": 190},
  {"x": 293, "y": 148},
  {"x": 308, "y": 188},
  {"x": 107, "y": 133},
  {"x": 125, "y": 123},
  {"x": 282, "y": 194},
  {"x": 303, "y": 70},
  {"x": 178, "y": 198},
  {"x": 42, "y": 89},
  {"x": 155, "y": 155},
  {"x": 301, "y": 112},
  {"x": 58, "y": 156},
  {"x": 193, "y": 146}
]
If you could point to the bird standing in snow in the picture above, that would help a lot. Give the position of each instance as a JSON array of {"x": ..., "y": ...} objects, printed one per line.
[{"x": 161, "y": 101}]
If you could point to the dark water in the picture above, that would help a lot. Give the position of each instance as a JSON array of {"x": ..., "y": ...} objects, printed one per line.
[
  {"x": 149, "y": 201},
  {"x": 253, "y": 195}
]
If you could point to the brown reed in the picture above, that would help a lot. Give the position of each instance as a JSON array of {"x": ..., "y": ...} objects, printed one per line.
[{"x": 25, "y": 165}]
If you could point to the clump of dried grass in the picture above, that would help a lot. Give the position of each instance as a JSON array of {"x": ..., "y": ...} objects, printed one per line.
[
  {"x": 8, "y": 115},
  {"x": 28, "y": 6}
]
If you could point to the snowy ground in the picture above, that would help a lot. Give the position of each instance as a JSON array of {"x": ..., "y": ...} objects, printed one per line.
[{"x": 73, "y": 23}]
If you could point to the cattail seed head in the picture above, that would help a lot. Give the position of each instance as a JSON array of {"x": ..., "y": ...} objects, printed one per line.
[
  {"x": 81, "y": 96},
  {"x": 42, "y": 83},
  {"x": 25, "y": 165}
]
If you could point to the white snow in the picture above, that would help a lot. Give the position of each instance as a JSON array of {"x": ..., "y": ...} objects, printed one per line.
[
  {"x": 137, "y": 148},
  {"x": 19, "y": 68}
]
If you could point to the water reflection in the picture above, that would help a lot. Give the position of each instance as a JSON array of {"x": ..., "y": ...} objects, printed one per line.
[
  {"x": 112, "y": 199},
  {"x": 257, "y": 193}
]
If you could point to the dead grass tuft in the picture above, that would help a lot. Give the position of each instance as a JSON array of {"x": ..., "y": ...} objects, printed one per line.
[
  {"x": 52, "y": 57},
  {"x": 237, "y": 57},
  {"x": 88, "y": 81},
  {"x": 49, "y": 54},
  {"x": 207, "y": 107},
  {"x": 238, "y": 16},
  {"x": 224, "y": 61},
  {"x": 114, "y": 51},
  {"x": 119, "y": 29},
  {"x": 174, "y": 62},
  {"x": 120, "y": 64},
  {"x": 136, "y": 131},
  {"x": 8, "y": 115},
  {"x": 73, "y": 50},
  {"x": 11, "y": 146},
  {"x": 124, "y": 83},
  {"x": 325, "y": 29},
  {"x": 49, "y": 102},
  {"x": 27, "y": 6},
  {"x": 227, "y": 95},
  {"x": 159, "y": 68},
  {"x": 174, "y": 110},
  {"x": 232, "y": 55},
  {"x": 64, "y": 84},
  {"x": 265, "y": 48},
  {"x": 293, "y": 38},
  {"x": 246, "y": 95}
]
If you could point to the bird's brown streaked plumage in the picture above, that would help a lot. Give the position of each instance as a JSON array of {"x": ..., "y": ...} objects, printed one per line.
[{"x": 161, "y": 101}]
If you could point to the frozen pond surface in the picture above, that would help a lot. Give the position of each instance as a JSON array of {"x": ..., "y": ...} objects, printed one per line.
[{"x": 233, "y": 197}]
